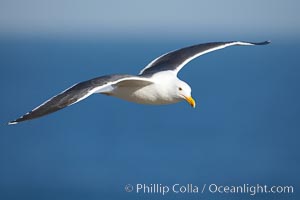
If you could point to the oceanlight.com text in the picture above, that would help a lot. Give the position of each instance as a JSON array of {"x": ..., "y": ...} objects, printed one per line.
[{"x": 248, "y": 189}]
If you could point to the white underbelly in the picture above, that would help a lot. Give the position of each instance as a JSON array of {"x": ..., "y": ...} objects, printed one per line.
[{"x": 145, "y": 95}]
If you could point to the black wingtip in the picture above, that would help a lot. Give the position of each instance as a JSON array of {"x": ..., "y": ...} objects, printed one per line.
[
  {"x": 16, "y": 121},
  {"x": 12, "y": 122},
  {"x": 263, "y": 43}
]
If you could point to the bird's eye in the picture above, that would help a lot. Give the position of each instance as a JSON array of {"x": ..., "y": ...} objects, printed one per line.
[{"x": 179, "y": 88}]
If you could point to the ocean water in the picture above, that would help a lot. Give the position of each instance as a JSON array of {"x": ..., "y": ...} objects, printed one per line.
[{"x": 244, "y": 129}]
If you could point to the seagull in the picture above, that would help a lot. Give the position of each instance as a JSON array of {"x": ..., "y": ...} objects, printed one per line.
[{"x": 156, "y": 84}]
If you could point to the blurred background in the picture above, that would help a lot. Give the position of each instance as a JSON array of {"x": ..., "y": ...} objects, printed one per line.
[{"x": 244, "y": 130}]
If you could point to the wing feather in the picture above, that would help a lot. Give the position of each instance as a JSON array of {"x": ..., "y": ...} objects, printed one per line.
[
  {"x": 78, "y": 92},
  {"x": 175, "y": 60}
]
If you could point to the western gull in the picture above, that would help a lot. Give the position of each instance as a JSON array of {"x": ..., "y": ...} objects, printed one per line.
[{"x": 156, "y": 84}]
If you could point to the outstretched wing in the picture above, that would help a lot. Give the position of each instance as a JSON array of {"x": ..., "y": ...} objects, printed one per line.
[
  {"x": 78, "y": 92},
  {"x": 175, "y": 60}
]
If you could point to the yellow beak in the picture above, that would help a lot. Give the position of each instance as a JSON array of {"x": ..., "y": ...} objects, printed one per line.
[{"x": 191, "y": 101}]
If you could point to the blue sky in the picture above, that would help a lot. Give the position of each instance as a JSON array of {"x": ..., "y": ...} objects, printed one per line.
[{"x": 156, "y": 18}]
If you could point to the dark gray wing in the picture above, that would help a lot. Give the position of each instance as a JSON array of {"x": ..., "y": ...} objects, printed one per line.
[
  {"x": 175, "y": 60},
  {"x": 78, "y": 92}
]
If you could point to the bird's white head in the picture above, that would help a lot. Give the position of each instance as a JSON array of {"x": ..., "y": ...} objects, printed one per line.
[{"x": 183, "y": 91}]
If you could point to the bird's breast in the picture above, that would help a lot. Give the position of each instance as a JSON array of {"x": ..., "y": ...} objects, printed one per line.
[{"x": 150, "y": 94}]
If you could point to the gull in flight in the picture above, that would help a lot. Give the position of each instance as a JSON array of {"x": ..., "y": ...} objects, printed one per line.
[{"x": 156, "y": 84}]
